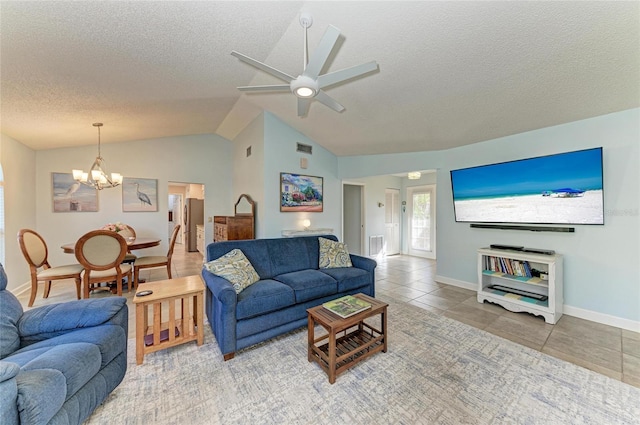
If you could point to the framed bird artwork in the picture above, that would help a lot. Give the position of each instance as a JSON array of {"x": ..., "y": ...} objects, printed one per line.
[
  {"x": 139, "y": 195},
  {"x": 69, "y": 195}
]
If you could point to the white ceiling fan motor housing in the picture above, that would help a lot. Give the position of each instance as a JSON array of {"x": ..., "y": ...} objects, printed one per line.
[{"x": 299, "y": 84}]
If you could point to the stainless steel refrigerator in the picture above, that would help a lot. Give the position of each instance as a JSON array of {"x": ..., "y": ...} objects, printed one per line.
[{"x": 193, "y": 215}]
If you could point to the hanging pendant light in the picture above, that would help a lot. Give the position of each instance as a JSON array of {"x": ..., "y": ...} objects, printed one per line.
[{"x": 97, "y": 177}]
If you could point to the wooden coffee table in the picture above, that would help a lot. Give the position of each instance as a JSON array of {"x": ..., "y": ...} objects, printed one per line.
[
  {"x": 182, "y": 324},
  {"x": 358, "y": 341}
]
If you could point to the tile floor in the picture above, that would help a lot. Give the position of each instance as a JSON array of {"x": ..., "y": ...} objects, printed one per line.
[{"x": 604, "y": 349}]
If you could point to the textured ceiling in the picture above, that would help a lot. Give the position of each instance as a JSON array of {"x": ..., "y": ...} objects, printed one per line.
[{"x": 451, "y": 73}]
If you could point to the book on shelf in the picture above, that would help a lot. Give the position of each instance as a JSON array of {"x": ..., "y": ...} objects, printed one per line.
[
  {"x": 508, "y": 266},
  {"x": 346, "y": 306}
]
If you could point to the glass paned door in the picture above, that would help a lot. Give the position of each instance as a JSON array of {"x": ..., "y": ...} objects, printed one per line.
[{"x": 422, "y": 221}]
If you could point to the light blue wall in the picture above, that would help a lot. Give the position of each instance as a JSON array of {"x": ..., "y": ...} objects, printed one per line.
[
  {"x": 280, "y": 155},
  {"x": 205, "y": 159},
  {"x": 601, "y": 272},
  {"x": 248, "y": 172}
]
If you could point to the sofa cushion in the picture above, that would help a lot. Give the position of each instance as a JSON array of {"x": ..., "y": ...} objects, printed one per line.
[
  {"x": 256, "y": 251},
  {"x": 10, "y": 312},
  {"x": 263, "y": 297},
  {"x": 109, "y": 339},
  {"x": 349, "y": 277},
  {"x": 288, "y": 255},
  {"x": 333, "y": 254},
  {"x": 234, "y": 267},
  {"x": 309, "y": 284},
  {"x": 78, "y": 362},
  {"x": 41, "y": 393}
]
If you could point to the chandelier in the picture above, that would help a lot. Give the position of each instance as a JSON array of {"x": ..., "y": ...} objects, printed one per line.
[{"x": 97, "y": 177}]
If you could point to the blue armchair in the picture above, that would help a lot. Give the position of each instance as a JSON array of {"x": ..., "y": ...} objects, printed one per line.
[{"x": 59, "y": 362}]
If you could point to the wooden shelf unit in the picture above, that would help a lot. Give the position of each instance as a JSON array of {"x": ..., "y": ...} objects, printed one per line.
[
  {"x": 551, "y": 287},
  {"x": 174, "y": 304},
  {"x": 359, "y": 340}
]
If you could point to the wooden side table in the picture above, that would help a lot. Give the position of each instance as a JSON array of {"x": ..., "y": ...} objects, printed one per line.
[
  {"x": 359, "y": 339},
  {"x": 183, "y": 323}
]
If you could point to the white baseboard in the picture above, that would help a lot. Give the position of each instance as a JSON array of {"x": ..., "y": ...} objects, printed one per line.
[
  {"x": 455, "y": 282},
  {"x": 594, "y": 316},
  {"x": 25, "y": 287},
  {"x": 605, "y": 319}
]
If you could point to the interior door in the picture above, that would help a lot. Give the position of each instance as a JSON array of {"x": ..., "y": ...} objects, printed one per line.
[
  {"x": 421, "y": 203},
  {"x": 392, "y": 221},
  {"x": 352, "y": 217}
]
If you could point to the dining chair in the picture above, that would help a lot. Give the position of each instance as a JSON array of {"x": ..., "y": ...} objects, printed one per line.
[
  {"x": 156, "y": 260},
  {"x": 129, "y": 232},
  {"x": 100, "y": 252},
  {"x": 35, "y": 251}
]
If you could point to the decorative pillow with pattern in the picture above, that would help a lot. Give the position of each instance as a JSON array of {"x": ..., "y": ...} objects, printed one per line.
[
  {"x": 333, "y": 254},
  {"x": 234, "y": 267}
]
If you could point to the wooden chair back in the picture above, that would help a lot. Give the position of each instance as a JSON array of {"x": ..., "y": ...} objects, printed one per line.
[
  {"x": 172, "y": 242},
  {"x": 130, "y": 232},
  {"x": 33, "y": 247},
  {"x": 100, "y": 250}
]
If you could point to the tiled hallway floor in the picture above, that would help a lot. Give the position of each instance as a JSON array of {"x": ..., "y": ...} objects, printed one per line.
[{"x": 605, "y": 349}]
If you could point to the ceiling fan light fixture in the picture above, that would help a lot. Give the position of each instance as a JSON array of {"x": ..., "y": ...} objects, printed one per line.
[
  {"x": 305, "y": 92},
  {"x": 304, "y": 87}
]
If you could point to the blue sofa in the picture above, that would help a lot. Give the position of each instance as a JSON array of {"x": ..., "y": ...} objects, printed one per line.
[
  {"x": 290, "y": 283},
  {"x": 59, "y": 362}
]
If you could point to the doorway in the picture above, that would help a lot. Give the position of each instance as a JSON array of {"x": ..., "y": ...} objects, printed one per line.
[
  {"x": 421, "y": 223},
  {"x": 353, "y": 217},
  {"x": 175, "y": 215},
  {"x": 392, "y": 221}
]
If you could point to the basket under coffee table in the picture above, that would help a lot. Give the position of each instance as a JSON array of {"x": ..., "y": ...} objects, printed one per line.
[{"x": 359, "y": 340}]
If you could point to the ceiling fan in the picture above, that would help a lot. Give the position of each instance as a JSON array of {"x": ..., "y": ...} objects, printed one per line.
[{"x": 308, "y": 85}]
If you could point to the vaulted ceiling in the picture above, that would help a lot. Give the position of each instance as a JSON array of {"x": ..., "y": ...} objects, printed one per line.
[{"x": 450, "y": 73}]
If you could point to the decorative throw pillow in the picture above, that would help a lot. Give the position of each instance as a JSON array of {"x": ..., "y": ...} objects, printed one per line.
[
  {"x": 234, "y": 267},
  {"x": 333, "y": 254}
]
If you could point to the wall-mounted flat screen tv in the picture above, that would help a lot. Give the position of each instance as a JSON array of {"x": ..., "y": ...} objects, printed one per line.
[{"x": 565, "y": 188}]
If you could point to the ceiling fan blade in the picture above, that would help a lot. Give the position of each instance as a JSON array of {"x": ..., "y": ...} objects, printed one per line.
[
  {"x": 327, "y": 100},
  {"x": 263, "y": 67},
  {"x": 322, "y": 52},
  {"x": 303, "y": 106},
  {"x": 276, "y": 87},
  {"x": 346, "y": 74}
]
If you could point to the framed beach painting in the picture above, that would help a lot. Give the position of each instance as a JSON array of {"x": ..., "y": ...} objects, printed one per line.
[
  {"x": 139, "y": 195},
  {"x": 69, "y": 195},
  {"x": 300, "y": 193}
]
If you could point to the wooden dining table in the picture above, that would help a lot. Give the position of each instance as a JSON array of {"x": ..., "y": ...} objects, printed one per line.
[{"x": 137, "y": 243}]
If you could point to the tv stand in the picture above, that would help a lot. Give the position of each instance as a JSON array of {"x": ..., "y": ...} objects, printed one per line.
[{"x": 507, "y": 278}]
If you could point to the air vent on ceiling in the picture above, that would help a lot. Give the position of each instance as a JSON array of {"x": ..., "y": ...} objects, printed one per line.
[{"x": 305, "y": 148}]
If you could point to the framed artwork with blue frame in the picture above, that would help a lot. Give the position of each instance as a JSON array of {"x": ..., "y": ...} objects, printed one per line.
[{"x": 300, "y": 193}]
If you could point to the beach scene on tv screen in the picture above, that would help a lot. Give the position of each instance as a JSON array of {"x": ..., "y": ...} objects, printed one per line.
[{"x": 557, "y": 189}]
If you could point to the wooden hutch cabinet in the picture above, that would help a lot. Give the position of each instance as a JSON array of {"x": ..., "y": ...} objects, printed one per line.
[{"x": 239, "y": 226}]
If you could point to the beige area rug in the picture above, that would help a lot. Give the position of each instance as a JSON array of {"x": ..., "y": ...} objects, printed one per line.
[{"x": 436, "y": 371}]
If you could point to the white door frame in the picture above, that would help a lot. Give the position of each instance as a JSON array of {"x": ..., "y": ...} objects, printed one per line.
[{"x": 422, "y": 189}]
